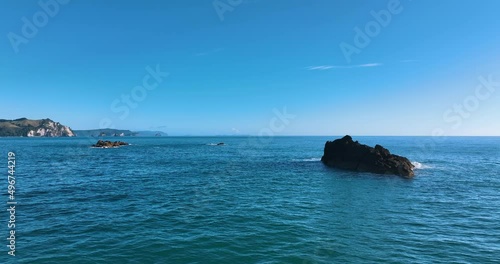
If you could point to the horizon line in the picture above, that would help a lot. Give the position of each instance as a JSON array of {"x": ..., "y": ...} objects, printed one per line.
[{"x": 256, "y": 136}]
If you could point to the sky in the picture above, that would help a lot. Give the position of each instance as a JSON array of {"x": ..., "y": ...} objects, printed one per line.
[{"x": 250, "y": 67}]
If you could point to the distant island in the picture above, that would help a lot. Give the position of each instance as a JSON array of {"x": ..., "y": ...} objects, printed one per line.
[
  {"x": 105, "y": 132},
  {"x": 109, "y": 132},
  {"x": 24, "y": 127}
]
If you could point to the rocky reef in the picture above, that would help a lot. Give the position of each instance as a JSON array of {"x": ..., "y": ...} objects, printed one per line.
[
  {"x": 109, "y": 144},
  {"x": 347, "y": 154}
]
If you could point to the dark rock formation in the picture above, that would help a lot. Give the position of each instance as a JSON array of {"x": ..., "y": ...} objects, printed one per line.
[
  {"x": 346, "y": 154},
  {"x": 109, "y": 144}
]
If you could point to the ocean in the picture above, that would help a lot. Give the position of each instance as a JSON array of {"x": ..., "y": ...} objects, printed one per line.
[{"x": 252, "y": 200}]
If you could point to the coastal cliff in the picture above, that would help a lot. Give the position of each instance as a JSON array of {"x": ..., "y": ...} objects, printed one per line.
[{"x": 24, "y": 127}]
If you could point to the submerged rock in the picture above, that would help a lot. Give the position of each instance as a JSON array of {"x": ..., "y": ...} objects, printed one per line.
[
  {"x": 109, "y": 144},
  {"x": 346, "y": 154}
]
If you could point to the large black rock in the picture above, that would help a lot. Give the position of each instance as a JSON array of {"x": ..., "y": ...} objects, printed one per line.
[{"x": 346, "y": 154}]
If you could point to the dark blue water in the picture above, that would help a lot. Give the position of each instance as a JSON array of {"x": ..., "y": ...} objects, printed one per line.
[{"x": 182, "y": 200}]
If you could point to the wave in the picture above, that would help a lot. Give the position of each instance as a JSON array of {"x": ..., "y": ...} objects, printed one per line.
[
  {"x": 420, "y": 166},
  {"x": 309, "y": 159}
]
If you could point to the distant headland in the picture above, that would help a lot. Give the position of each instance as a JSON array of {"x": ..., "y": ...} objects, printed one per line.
[{"x": 24, "y": 127}]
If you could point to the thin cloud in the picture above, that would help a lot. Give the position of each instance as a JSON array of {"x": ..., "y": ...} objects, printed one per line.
[
  {"x": 328, "y": 67},
  {"x": 320, "y": 68},
  {"x": 368, "y": 65}
]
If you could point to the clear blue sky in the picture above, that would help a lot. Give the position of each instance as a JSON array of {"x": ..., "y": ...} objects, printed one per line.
[{"x": 229, "y": 68}]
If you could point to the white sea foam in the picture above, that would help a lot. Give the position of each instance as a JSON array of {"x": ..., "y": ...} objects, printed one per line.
[
  {"x": 420, "y": 166},
  {"x": 309, "y": 159}
]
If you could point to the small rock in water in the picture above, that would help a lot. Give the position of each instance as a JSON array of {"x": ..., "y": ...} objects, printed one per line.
[{"x": 109, "y": 144}]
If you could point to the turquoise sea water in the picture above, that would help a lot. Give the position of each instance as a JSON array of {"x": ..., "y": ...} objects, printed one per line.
[{"x": 254, "y": 200}]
